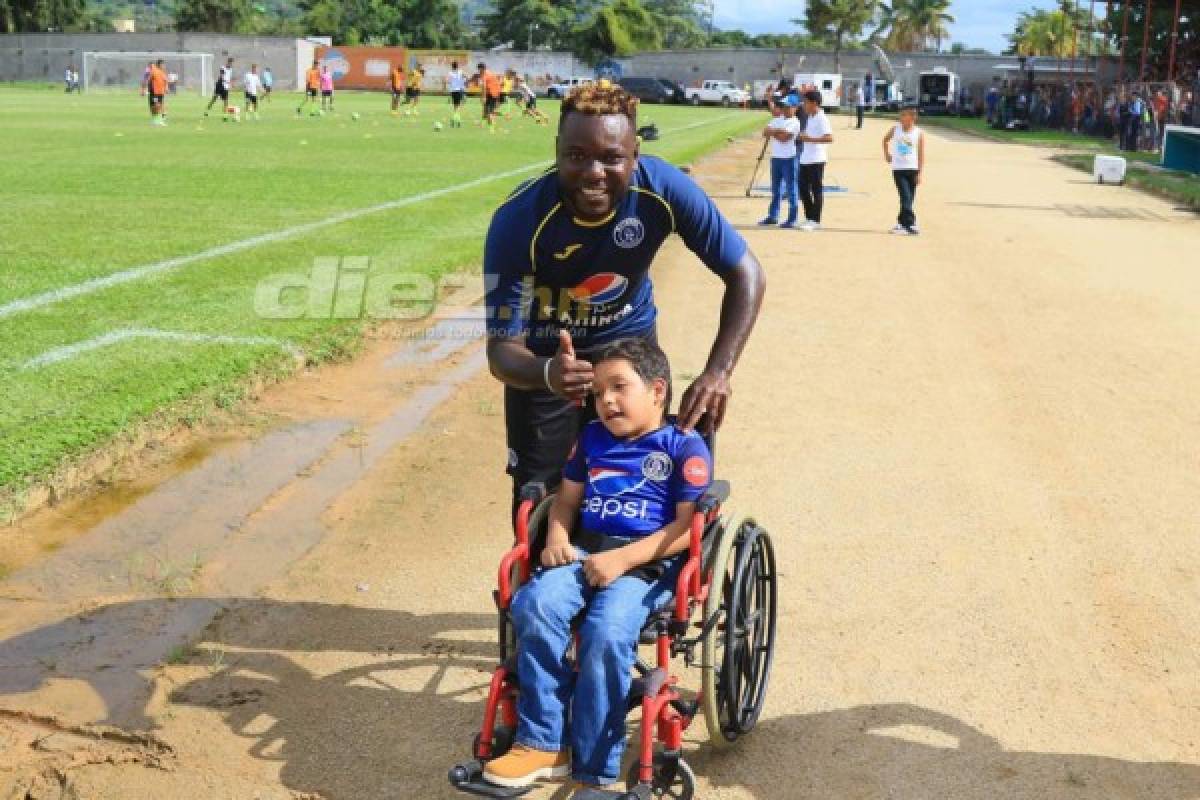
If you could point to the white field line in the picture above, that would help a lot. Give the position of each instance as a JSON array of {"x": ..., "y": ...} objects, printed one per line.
[
  {"x": 146, "y": 270},
  {"x": 58, "y": 354}
]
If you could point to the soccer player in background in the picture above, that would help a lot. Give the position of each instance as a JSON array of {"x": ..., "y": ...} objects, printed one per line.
[
  {"x": 221, "y": 90},
  {"x": 268, "y": 81},
  {"x": 529, "y": 97},
  {"x": 415, "y": 76},
  {"x": 326, "y": 88},
  {"x": 398, "y": 86},
  {"x": 489, "y": 94},
  {"x": 456, "y": 84},
  {"x": 156, "y": 88},
  {"x": 312, "y": 86},
  {"x": 251, "y": 84}
]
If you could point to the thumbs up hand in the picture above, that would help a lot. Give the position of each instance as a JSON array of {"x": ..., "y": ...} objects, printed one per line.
[{"x": 569, "y": 376}]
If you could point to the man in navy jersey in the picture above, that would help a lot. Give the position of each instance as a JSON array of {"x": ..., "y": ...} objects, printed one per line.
[{"x": 566, "y": 270}]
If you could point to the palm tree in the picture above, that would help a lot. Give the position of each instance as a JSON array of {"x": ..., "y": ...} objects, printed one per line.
[
  {"x": 836, "y": 21},
  {"x": 913, "y": 24}
]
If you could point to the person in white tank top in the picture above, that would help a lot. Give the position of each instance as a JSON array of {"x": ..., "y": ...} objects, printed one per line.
[{"x": 904, "y": 151}]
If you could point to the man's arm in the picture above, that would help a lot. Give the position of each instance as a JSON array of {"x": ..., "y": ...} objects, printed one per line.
[
  {"x": 511, "y": 362},
  {"x": 744, "y": 288},
  {"x": 920, "y": 157},
  {"x": 887, "y": 139}
]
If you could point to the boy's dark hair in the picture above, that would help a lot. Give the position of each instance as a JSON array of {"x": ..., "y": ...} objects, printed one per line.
[
  {"x": 813, "y": 96},
  {"x": 647, "y": 359},
  {"x": 597, "y": 100}
]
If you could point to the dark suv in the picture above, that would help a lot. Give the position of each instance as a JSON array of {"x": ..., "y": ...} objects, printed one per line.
[{"x": 653, "y": 90}]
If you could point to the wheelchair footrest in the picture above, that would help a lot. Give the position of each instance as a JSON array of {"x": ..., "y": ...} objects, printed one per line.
[
  {"x": 640, "y": 792},
  {"x": 467, "y": 778}
]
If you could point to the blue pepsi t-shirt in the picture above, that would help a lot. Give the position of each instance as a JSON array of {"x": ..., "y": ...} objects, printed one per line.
[
  {"x": 632, "y": 487},
  {"x": 544, "y": 270}
]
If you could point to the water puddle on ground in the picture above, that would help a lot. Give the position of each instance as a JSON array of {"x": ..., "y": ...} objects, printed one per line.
[{"x": 104, "y": 588}]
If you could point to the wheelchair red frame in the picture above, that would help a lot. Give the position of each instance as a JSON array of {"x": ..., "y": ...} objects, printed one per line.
[{"x": 742, "y": 617}]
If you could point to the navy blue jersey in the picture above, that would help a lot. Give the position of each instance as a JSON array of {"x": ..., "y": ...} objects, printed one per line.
[
  {"x": 631, "y": 487},
  {"x": 544, "y": 270}
]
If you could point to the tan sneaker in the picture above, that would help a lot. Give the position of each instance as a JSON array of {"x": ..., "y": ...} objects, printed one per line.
[{"x": 522, "y": 766}]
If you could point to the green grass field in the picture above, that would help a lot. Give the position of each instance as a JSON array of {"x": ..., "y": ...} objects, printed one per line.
[{"x": 91, "y": 189}]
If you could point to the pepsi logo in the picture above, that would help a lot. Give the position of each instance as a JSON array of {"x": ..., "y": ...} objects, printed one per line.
[
  {"x": 600, "y": 289},
  {"x": 611, "y": 481},
  {"x": 695, "y": 471}
]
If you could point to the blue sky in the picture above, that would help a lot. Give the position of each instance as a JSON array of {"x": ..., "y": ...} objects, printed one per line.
[{"x": 978, "y": 23}]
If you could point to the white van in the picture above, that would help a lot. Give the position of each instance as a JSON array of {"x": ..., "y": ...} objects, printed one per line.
[{"x": 829, "y": 84}]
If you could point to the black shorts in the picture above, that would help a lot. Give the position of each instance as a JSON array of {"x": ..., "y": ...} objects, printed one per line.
[
  {"x": 221, "y": 91},
  {"x": 541, "y": 428},
  {"x": 489, "y": 105},
  {"x": 251, "y": 100},
  {"x": 326, "y": 93},
  {"x": 266, "y": 88},
  {"x": 531, "y": 103},
  {"x": 411, "y": 92},
  {"x": 397, "y": 93},
  {"x": 155, "y": 99},
  {"x": 312, "y": 92},
  {"x": 456, "y": 98}
]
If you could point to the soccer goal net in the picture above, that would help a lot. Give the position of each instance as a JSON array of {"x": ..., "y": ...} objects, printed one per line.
[{"x": 186, "y": 72}]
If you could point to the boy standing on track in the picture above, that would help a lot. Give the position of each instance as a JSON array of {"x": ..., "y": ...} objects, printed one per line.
[
  {"x": 782, "y": 131},
  {"x": 904, "y": 149},
  {"x": 632, "y": 480},
  {"x": 817, "y": 135},
  {"x": 156, "y": 89},
  {"x": 251, "y": 84},
  {"x": 221, "y": 90},
  {"x": 312, "y": 86},
  {"x": 456, "y": 84}
]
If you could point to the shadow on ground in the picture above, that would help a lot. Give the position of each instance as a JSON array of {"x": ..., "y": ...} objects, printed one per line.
[{"x": 370, "y": 703}]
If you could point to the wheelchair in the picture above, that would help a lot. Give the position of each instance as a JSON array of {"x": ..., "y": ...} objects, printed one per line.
[{"x": 725, "y": 598}]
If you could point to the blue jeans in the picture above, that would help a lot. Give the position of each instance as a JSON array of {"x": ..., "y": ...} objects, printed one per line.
[
  {"x": 783, "y": 179},
  {"x": 906, "y": 184},
  {"x": 597, "y": 692}
]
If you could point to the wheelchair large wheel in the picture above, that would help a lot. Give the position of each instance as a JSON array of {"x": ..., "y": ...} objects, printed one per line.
[{"x": 738, "y": 649}]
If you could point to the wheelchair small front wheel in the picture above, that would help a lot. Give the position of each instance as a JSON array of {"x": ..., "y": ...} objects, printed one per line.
[{"x": 673, "y": 778}]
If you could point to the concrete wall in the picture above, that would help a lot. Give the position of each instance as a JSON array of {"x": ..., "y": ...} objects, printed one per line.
[
  {"x": 746, "y": 65},
  {"x": 44, "y": 56},
  {"x": 543, "y": 68}
]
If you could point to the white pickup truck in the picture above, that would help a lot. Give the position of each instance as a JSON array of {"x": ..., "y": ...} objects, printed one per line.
[
  {"x": 716, "y": 92},
  {"x": 564, "y": 87}
]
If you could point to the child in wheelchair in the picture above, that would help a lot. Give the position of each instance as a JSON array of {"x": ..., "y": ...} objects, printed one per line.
[{"x": 632, "y": 482}]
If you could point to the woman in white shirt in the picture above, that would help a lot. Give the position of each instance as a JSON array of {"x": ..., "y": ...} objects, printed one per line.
[{"x": 904, "y": 150}]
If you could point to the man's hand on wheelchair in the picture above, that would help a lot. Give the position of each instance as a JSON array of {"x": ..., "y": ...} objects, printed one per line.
[
  {"x": 708, "y": 394},
  {"x": 558, "y": 551},
  {"x": 569, "y": 376},
  {"x": 602, "y": 569}
]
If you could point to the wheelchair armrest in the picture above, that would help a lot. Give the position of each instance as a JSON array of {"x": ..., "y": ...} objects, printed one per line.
[
  {"x": 534, "y": 491},
  {"x": 717, "y": 494}
]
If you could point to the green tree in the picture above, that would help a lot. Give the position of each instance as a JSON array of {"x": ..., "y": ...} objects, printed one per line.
[
  {"x": 1060, "y": 33},
  {"x": 434, "y": 24},
  {"x": 1187, "y": 49},
  {"x": 537, "y": 22},
  {"x": 218, "y": 16},
  {"x": 838, "y": 21},
  {"x": 28, "y": 16},
  {"x": 618, "y": 28},
  {"x": 679, "y": 22},
  {"x": 913, "y": 25}
]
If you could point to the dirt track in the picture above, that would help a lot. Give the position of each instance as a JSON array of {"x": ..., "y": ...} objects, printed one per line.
[{"x": 977, "y": 451}]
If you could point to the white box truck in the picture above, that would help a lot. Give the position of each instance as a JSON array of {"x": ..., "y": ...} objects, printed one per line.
[
  {"x": 829, "y": 84},
  {"x": 937, "y": 91}
]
